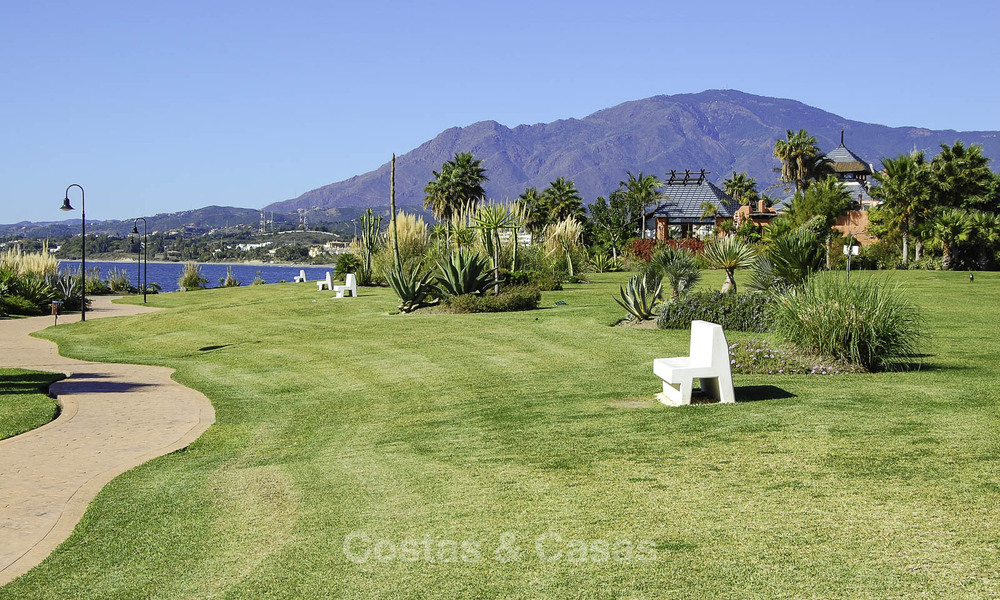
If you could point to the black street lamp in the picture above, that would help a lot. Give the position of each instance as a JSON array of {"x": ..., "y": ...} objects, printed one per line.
[
  {"x": 83, "y": 245},
  {"x": 144, "y": 255}
]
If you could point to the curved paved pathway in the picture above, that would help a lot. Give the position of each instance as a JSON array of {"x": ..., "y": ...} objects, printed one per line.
[{"x": 114, "y": 417}]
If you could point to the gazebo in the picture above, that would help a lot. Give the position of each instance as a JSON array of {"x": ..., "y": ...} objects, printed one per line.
[{"x": 691, "y": 203}]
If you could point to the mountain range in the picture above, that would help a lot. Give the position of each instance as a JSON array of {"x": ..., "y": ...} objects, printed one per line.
[{"x": 721, "y": 131}]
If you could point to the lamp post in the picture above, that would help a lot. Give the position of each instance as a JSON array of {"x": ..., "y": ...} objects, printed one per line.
[
  {"x": 142, "y": 253},
  {"x": 83, "y": 245}
]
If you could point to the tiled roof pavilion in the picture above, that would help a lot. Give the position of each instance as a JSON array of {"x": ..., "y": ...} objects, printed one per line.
[{"x": 685, "y": 193}]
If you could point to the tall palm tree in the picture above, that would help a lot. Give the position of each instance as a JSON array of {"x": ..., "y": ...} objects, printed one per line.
[
  {"x": 641, "y": 191},
  {"x": 741, "y": 187},
  {"x": 458, "y": 186},
  {"x": 904, "y": 187},
  {"x": 951, "y": 228},
  {"x": 563, "y": 200},
  {"x": 801, "y": 159},
  {"x": 536, "y": 215},
  {"x": 730, "y": 253},
  {"x": 961, "y": 175}
]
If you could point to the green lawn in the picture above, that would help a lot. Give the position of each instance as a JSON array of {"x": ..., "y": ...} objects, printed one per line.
[
  {"x": 410, "y": 435},
  {"x": 24, "y": 403}
]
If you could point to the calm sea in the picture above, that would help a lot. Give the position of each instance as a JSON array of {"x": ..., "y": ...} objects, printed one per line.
[{"x": 167, "y": 274}]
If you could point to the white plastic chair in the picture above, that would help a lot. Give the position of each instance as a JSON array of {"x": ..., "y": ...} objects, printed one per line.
[
  {"x": 709, "y": 362},
  {"x": 300, "y": 277},
  {"x": 350, "y": 285},
  {"x": 327, "y": 283}
]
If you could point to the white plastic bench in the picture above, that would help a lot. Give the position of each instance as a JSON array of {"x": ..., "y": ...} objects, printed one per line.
[
  {"x": 709, "y": 362},
  {"x": 327, "y": 283},
  {"x": 350, "y": 285},
  {"x": 301, "y": 277}
]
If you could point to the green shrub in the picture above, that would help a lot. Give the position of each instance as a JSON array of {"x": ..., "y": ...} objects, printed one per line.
[
  {"x": 18, "y": 305},
  {"x": 192, "y": 277},
  {"x": 347, "y": 262},
  {"x": 736, "y": 311},
  {"x": 514, "y": 298},
  {"x": 96, "y": 286},
  {"x": 678, "y": 266},
  {"x": 257, "y": 279},
  {"x": 229, "y": 280},
  {"x": 869, "y": 324},
  {"x": 543, "y": 280},
  {"x": 118, "y": 281}
]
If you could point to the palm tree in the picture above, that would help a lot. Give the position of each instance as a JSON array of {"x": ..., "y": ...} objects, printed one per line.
[
  {"x": 951, "y": 228},
  {"x": 641, "y": 191},
  {"x": 961, "y": 175},
  {"x": 904, "y": 187},
  {"x": 741, "y": 187},
  {"x": 458, "y": 186},
  {"x": 801, "y": 159},
  {"x": 730, "y": 253},
  {"x": 986, "y": 232},
  {"x": 536, "y": 216},
  {"x": 562, "y": 200}
]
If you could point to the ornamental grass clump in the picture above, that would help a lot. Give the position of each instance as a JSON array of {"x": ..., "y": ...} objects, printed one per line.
[
  {"x": 192, "y": 278},
  {"x": 870, "y": 324}
]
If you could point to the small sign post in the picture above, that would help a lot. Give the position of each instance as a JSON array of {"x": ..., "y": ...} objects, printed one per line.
[{"x": 850, "y": 250}]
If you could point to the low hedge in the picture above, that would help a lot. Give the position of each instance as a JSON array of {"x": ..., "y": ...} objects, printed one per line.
[
  {"x": 512, "y": 299},
  {"x": 740, "y": 312}
]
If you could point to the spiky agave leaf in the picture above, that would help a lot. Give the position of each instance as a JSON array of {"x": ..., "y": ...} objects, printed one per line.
[{"x": 637, "y": 298}]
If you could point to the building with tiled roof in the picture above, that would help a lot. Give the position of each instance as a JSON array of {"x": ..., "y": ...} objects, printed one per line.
[
  {"x": 853, "y": 172},
  {"x": 683, "y": 212}
]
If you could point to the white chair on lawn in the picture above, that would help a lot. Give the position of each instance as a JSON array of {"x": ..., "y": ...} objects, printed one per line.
[
  {"x": 300, "y": 277},
  {"x": 327, "y": 283},
  {"x": 709, "y": 362},
  {"x": 350, "y": 285}
]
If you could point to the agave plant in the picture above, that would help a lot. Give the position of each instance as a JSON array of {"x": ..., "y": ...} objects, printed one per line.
[
  {"x": 412, "y": 287},
  {"x": 602, "y": 263},
  {"x": 637, "y": 298},
  {"x": 464, "y": 272}
]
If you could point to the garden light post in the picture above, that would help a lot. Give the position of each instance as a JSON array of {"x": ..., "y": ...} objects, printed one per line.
[
  {"x": 83, "y": 245},
  {"x": 143, "y": 253}
]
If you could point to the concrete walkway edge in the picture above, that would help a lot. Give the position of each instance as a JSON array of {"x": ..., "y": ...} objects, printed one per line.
[{"x": 114, "y": 417}]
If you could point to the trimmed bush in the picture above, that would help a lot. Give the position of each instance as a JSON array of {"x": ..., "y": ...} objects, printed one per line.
[
  {"x": 740, "y": 312},
  {"x": 870, "y": 324},
  {"x": 543, "y": 280},
  {"x": 512, "y": 299}
]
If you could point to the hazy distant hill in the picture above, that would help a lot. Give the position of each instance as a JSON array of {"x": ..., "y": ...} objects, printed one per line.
[
  {"x": 719, "y": 130},
  {"x": 209, "y": 217}
]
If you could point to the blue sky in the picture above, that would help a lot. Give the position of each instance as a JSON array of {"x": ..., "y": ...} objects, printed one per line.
[{"x": 159, "y": 107}]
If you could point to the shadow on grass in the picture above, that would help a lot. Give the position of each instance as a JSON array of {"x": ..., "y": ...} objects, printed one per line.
[
  {"x": 28, "y": 383},
  {"x": 210, "y": 348},
  {"x": 756, "y": 393}
]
